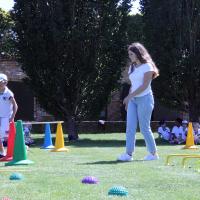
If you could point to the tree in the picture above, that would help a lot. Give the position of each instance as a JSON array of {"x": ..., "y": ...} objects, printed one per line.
[
  {"x": 135, "y": 34},
  {"x": 135, "y": 28},
  {"x": 7, "y": 47},
  {"x": 173, "y": 36},
  {"x": 73, "y": 53}
]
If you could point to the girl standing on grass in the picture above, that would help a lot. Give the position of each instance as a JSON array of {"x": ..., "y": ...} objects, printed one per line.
[{"x": 140, "y": 101}]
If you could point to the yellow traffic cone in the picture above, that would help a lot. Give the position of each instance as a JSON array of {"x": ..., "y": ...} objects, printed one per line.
[
  {"x": 190, "y": 138},
  {"x": 59, "y": 144}
]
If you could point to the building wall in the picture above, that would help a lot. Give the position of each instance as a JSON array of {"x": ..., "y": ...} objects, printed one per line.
[
  {"x": 25, "y": 100},
  {"x": 12, "y": 69},
  {"x": 116, "y": 111},
  {"x": 28, "y": 109},
  {"x": 114, "y": 107}
]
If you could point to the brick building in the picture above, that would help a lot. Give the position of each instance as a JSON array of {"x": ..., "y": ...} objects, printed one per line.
[{"x": 28, "y": 109}]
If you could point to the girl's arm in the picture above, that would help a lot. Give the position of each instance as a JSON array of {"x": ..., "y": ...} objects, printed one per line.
[
  {"x": 147, "y": 79},
  {"x": 15, "y": 108}
]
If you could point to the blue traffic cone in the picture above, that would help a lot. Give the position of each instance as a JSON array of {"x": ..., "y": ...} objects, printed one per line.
[{"x": 47, "y": 138}]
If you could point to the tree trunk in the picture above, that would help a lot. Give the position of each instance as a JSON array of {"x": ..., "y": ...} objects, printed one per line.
[{"x": 71, "y": 129}]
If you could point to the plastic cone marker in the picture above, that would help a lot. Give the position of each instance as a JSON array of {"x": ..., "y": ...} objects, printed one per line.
[
  {"x": 190, "y": 139},
  {"x": 20, "y": 155},
  {"x": 11, "y": 143},
  {"x": 47, "y": 138},
  {"x": 59, "y": 144}
]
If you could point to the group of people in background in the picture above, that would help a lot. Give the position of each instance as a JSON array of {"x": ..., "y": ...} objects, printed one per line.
[{"x": 178, "y": 133}]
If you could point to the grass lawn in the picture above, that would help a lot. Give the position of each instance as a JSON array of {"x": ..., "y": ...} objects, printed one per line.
[{"x": 57, "y": 176}]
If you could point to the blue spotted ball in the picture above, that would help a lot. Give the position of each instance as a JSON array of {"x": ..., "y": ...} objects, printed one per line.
[
  {"x": 16, "y": 176},
  {"x": 118, "y": 191}
]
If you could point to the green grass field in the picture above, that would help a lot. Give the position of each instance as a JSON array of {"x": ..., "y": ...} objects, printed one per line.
[{"x": 57, "y": 176}]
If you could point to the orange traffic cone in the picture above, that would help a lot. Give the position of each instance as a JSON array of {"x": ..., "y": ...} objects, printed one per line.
[
  {"x": 190, "y": 138},
  {"x": 11, "y": 143},
  {"x": 59, "y": 144}
]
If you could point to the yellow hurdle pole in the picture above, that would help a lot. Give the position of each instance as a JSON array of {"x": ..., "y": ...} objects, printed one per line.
[
  {"x": 52, "y": 122},
  {"x": 175, "y": 155},
  {"x": 188, "y": 157},
  {"x": 17, "y": 170}
]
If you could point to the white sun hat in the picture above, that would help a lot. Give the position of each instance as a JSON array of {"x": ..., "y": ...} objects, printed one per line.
[
  {"x": 3, "y": 77},
  {"x": 184, "y": 122}
]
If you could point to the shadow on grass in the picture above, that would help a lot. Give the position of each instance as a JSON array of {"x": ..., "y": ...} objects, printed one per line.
[
  {"x": 96, "y": 143},
  {"x": 108, "y": 162},
  {"x": 110, "y": 143},
  {"x": 38, "y": 142}
]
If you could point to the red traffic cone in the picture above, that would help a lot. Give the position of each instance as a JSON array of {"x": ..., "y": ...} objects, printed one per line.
[{"x": 11, "y": 143}]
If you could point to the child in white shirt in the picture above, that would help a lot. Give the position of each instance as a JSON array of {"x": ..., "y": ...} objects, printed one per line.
[
  {"x": 8, "y": 109},
  {"x": 185, "y": 129},
  {"x": 163, "y": 130},
  {"x": 177, "y": 132},
  {"x": 196, "y": 132},
  {"x": 27, "y": 134}
]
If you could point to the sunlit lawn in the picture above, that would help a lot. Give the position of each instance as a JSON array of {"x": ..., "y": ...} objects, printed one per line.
[{"x": 57, "y": 176}]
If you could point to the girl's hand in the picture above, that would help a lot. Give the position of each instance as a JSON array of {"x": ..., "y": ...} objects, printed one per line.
[{"x": 125, "y": 102}]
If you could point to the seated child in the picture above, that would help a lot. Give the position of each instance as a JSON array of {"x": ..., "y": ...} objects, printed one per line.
[
  {"x": 27, "y": 134},
  {"x": 163, "y": 130},
  {"x": 177, "y": 132},
  {"x": 196, "y": 132},
  {"x": 185, "y": 129}
]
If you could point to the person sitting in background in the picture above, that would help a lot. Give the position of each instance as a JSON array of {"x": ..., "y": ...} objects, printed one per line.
[
  {"x": 185, "y": 129},
  {"x": 163, "y": 130},
  {"x": 177, "y": 132},
  {"x": 27, "y": 134},
  {"x": 196, "y": 132}
]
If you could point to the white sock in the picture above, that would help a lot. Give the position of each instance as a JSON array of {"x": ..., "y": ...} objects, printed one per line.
[{"x": 3, "y": 153}]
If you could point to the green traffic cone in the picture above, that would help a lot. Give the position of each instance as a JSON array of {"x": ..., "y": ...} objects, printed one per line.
[{"x": 20, "y": 155}]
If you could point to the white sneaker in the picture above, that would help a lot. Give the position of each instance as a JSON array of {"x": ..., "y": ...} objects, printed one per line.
[
  {"x": 125, "y": 157},
  {"x": 151, "y": 157},
  {"x": 3, "y": 153}
]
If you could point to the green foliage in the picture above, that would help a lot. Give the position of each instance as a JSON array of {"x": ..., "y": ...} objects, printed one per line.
[
  {"x": 7, "y": 47},
  {"x": 173, "y": 37},
  {"x": 135, "y": 28},
  {"x": 72, "y": 52}
]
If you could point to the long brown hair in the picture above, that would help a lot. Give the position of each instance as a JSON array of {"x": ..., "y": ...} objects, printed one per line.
[{"x": 143, "y": 56}]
